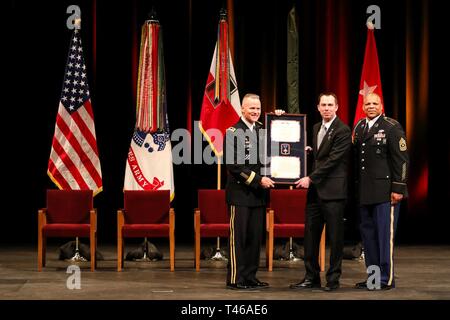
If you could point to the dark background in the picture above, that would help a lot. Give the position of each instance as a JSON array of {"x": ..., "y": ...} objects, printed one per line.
[{"x": 332, "y": 41}]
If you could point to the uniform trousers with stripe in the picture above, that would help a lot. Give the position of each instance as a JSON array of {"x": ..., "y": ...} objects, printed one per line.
[
  {"x": 246, "y": 227},
  {"x": 378, "y": 226}
]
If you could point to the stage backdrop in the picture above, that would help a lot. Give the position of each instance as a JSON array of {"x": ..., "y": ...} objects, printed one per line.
[{"x": 331, "y": 43}]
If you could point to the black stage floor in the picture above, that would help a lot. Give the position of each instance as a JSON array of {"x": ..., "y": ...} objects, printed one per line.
[{"x": 422, "y": 272}]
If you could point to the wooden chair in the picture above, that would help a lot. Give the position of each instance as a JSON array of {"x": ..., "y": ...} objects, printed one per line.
[
  {"x": 211, "y": 219},
  {"x": 285, "y": 218},
  {"x": 146, "y": 214},
  {"x": 69, "y": 214}
]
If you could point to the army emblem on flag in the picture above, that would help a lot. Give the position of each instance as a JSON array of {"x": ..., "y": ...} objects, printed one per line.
[{"x": 149, "y": 164}]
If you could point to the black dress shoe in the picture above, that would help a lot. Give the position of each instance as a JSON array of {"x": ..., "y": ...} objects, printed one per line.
[
  {"x": 361, "y": 285},
  {"x": 387, "y": 287},
  {"x": 305, "y": 284},
  {"x": 331, "y": 286},
  {"x": 257, "y": 283},
  {"x": 382, "y": 287},
  {"x": 238, "y": 286}
]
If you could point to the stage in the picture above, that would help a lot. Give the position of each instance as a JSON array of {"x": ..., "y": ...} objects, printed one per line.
[{"x": 422, "y": 273}]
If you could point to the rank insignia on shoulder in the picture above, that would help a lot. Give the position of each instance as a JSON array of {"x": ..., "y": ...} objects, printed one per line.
[
  {"x": 402, "y": 144},
  {"x": 233, "y": 129}
]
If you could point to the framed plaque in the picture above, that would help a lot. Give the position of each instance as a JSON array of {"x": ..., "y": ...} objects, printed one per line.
[{"x": 285, "y": 145}]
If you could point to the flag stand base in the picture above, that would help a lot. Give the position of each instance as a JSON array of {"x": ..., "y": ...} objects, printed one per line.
[
  {"x": 145, "y": 258},
  {"x": 77, "y": 257},
  {"x": 218, "y": 256},
  {"x": 292, "y": 256}
]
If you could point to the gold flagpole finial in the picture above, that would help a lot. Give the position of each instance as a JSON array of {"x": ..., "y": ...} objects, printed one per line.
[{"x": 77, "y": 23}]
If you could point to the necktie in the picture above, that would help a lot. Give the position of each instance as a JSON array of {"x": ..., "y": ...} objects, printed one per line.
[
  {"x": 322, "y": 132},
  {"x": 366, "y": 129}
]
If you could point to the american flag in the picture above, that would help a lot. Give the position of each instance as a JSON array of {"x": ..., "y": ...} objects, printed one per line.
[{"x": 74, "y": 163}]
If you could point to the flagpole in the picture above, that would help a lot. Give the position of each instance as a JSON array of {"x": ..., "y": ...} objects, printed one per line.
[
  {"x": 218, "y": 255},
  {"x": 218, "y": 86},
  {"x": 218, "y": 173}
]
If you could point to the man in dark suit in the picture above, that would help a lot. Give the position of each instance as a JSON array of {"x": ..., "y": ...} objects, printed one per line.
[
  {"x": 382, "y": 166},
  {"x": 327, "y": 194},
  {"x": 246, "y": 194}
]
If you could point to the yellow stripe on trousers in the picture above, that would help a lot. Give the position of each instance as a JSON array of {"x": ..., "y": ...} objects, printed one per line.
[
  {"x": 232, "y": 247},
  {"x": 391, "y": 247}
]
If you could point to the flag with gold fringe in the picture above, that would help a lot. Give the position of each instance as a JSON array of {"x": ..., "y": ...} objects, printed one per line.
[
  {"x": 74, "y": 162},
  {"x": 149, "y": 164}
]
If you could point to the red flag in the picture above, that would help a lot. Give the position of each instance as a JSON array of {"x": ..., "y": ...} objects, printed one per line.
[
  {"x": 221, "y": 107},
  {"x": 74, "y": 163},
  {"x": 370, "y": 76}
]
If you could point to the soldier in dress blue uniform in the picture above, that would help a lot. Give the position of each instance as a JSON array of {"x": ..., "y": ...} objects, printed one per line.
[
  {"x": 382, "y": 170},
  {"x": 246, "y": 195}
]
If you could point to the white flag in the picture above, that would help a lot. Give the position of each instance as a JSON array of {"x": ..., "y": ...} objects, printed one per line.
[{"x": 149, "y": 164}]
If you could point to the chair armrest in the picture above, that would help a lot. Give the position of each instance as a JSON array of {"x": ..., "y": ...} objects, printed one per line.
[
  {"x": 269, "y": 219},
  {"x": 197, "y": 219},
  {"x": 93, "y": 218},
  {"x": 120, "y": 217},
  {"x": 42, "y": 217},
  {"x": 172, "y": 217}
]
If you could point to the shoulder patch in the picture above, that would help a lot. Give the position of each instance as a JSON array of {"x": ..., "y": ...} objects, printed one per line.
[
  {"x": 402, "y": 144},
  {"x": 233, "y": 129}
]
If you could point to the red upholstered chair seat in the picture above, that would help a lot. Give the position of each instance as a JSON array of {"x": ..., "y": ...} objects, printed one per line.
[
  {"x": 211, "y": 218},
  {"x": 69, "y": 213},
  {"x": 62, "y": 230},
  {"x": 214, "y": 230},
  {"x": 285, "y": 230},
  {"x": 144, "y": 230},
  {"x": 146, "y": 214}
]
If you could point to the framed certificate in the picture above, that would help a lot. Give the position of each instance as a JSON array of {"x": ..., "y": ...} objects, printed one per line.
[{"x": 285, "y": 160}]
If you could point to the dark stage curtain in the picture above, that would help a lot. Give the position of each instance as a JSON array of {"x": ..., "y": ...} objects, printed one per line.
[{"x": 332, "y": 37}]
